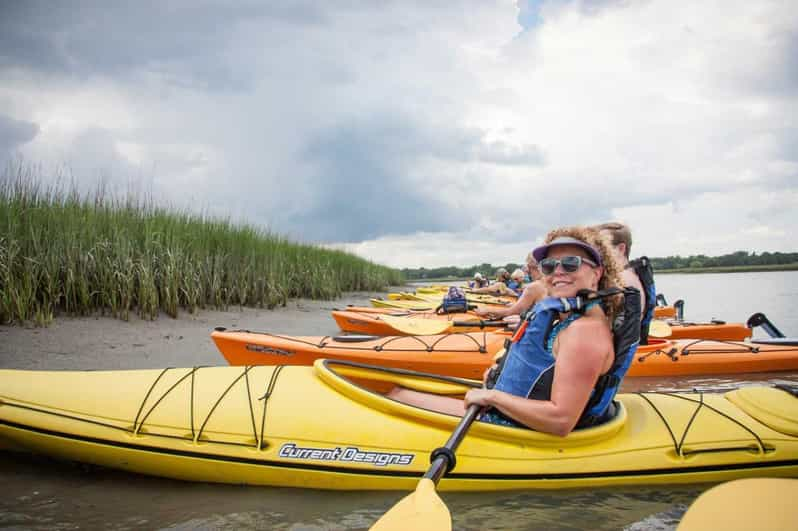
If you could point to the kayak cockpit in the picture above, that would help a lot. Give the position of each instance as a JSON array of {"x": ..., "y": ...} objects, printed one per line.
[{"x": 368, "y": 384}]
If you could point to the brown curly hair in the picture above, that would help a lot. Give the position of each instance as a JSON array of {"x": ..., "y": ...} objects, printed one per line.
[{"x": 611, "y": 277}]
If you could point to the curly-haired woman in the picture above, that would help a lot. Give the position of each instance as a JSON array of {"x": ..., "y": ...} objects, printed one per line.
[{"x": 550, "y": 379}]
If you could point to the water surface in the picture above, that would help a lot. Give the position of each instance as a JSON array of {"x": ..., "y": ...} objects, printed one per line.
[{"x": 44, "y": 494}]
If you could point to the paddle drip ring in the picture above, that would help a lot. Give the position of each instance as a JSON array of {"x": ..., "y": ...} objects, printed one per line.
[{"x": 447, "y": 454}]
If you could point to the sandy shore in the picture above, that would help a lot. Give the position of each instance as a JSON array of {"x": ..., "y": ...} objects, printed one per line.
[{"x": 107, "y": 343}]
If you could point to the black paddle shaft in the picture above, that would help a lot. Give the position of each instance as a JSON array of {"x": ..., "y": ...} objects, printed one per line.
[
  {"x": 443, "y": 458},
  {"x": 480, "y": 323}
]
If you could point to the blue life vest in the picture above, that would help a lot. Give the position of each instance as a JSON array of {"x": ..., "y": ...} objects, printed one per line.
[
  {"x": 528, "y": 367},
  {"x": 516, "y": 287},
  {"x": 645, "y": 272}
]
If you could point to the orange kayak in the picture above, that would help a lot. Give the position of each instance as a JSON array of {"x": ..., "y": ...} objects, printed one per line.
[
  {"x": 463, "y": 355},
  {"x": 467, "y": 355},
  {"x": 355, "y": 320}
]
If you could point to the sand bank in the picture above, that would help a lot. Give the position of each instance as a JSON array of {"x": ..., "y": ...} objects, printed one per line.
[{"x": 108, "y": 343}]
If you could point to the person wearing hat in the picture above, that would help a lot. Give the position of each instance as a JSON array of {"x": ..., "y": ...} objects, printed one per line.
[
  {"x": 532, "y": 293},
  {"x": 502, "y": 275},
  {"x": 554, "y": 378},
  {"x": 478, "y": 282},
  {"x": 516, "y": 284},
  {"x": 500, "y": 287}
]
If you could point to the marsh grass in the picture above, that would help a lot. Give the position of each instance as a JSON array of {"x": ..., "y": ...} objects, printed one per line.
[{"x": 84, "y": 254}]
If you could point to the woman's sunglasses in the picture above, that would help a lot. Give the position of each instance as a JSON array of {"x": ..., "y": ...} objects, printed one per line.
[{"x": 569, "y": 264}]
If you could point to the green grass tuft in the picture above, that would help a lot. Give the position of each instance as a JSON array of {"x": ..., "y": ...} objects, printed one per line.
[{"x": 62, "y": 252}]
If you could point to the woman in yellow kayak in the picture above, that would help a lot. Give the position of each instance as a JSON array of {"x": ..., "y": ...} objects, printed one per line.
[{"x": 554, "y": 382}]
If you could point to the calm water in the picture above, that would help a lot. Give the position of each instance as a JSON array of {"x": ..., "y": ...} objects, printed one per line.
[{"x": 43, "y": 494}]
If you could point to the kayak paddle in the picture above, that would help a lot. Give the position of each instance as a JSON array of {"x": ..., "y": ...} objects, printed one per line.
[
  {"x": 659, "y": 328},
  {"x": 423, "y": 508}
]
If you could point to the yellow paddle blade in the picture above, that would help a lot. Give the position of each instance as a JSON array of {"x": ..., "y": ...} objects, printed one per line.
[
  {"x": 421, "y": 509},
  {"x": 754, "y": 503},
  {"x": 417, "y": 327},
  {"x": 659, "y": 328}
]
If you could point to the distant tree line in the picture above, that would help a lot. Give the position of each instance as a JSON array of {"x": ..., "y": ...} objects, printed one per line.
[
  {"x": 739, "y": 258},
  {"x": 486, "y": 269}
]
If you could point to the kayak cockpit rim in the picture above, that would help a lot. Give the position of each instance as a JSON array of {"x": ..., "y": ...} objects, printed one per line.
[{"x": 339, "y": 374}]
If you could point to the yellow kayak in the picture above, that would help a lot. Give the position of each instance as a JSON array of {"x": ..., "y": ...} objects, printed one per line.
[
  {"x": 424, "y": 303},
  {"x": 764, "y": 504},
  {"x": 330, "y": 426}
]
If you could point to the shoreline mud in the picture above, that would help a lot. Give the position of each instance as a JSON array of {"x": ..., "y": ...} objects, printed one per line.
[{"x": 106, "y": 343}]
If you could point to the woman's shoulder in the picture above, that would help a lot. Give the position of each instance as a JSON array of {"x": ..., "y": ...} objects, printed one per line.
[{"x": 591, "y": 326}]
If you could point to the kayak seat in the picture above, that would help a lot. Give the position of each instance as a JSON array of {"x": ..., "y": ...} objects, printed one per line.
[
  {"x": 783, "y": 341},
  {"x": 775, "y": 408}
]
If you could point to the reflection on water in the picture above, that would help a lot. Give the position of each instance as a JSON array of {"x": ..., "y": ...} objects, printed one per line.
[{"x": 43, "y": 494}]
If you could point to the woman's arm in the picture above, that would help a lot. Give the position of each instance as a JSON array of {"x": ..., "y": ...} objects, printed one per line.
[
  {"x": 583, "y": 351},
  {"x": 532, "y": 294},
  {"x": 492, "y": 289}
]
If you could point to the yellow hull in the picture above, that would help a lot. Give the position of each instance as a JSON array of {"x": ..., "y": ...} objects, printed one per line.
[{"x": 328, "y": 426}]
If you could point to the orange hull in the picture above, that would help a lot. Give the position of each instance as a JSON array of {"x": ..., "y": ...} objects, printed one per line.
[
  {"x": 468, "y": 355},
  {"x": 463, "y": 355}
]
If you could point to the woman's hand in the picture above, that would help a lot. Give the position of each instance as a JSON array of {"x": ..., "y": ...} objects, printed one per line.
[
  {"x": 487, "y": 372},
  {"x": 480, "y": 397},
  {"x": 490, "y": 315}
]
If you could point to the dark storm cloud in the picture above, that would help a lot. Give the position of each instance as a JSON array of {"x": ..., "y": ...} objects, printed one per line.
[
  {"x": 362, "y": 190},
  {"x": 14, "y": 133},
  {"x": 186, "y": 42}
]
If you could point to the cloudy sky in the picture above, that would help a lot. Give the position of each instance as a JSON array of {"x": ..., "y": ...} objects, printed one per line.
[{"x": 422, "y": 133}]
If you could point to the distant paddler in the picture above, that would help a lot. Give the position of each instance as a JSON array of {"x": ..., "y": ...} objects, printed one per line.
[
  {"x": 532, "y": 293},
  {"x": 636, "y": 273}
]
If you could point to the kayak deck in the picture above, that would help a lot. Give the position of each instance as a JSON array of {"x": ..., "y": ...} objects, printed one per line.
[{"x": 330, "y": 427}]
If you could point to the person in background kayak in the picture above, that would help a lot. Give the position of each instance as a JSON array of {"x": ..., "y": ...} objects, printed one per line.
[
  {"x": 516, "y": 284},
  {"x": 500, "y": 287},
  {"x": 621, "y": 239},
  {"x": 550, "y": 374},
  {"x": 533, "y": 292},
  {"x": 478, "y": 282},
  {"x": 636, "y": 273}
]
